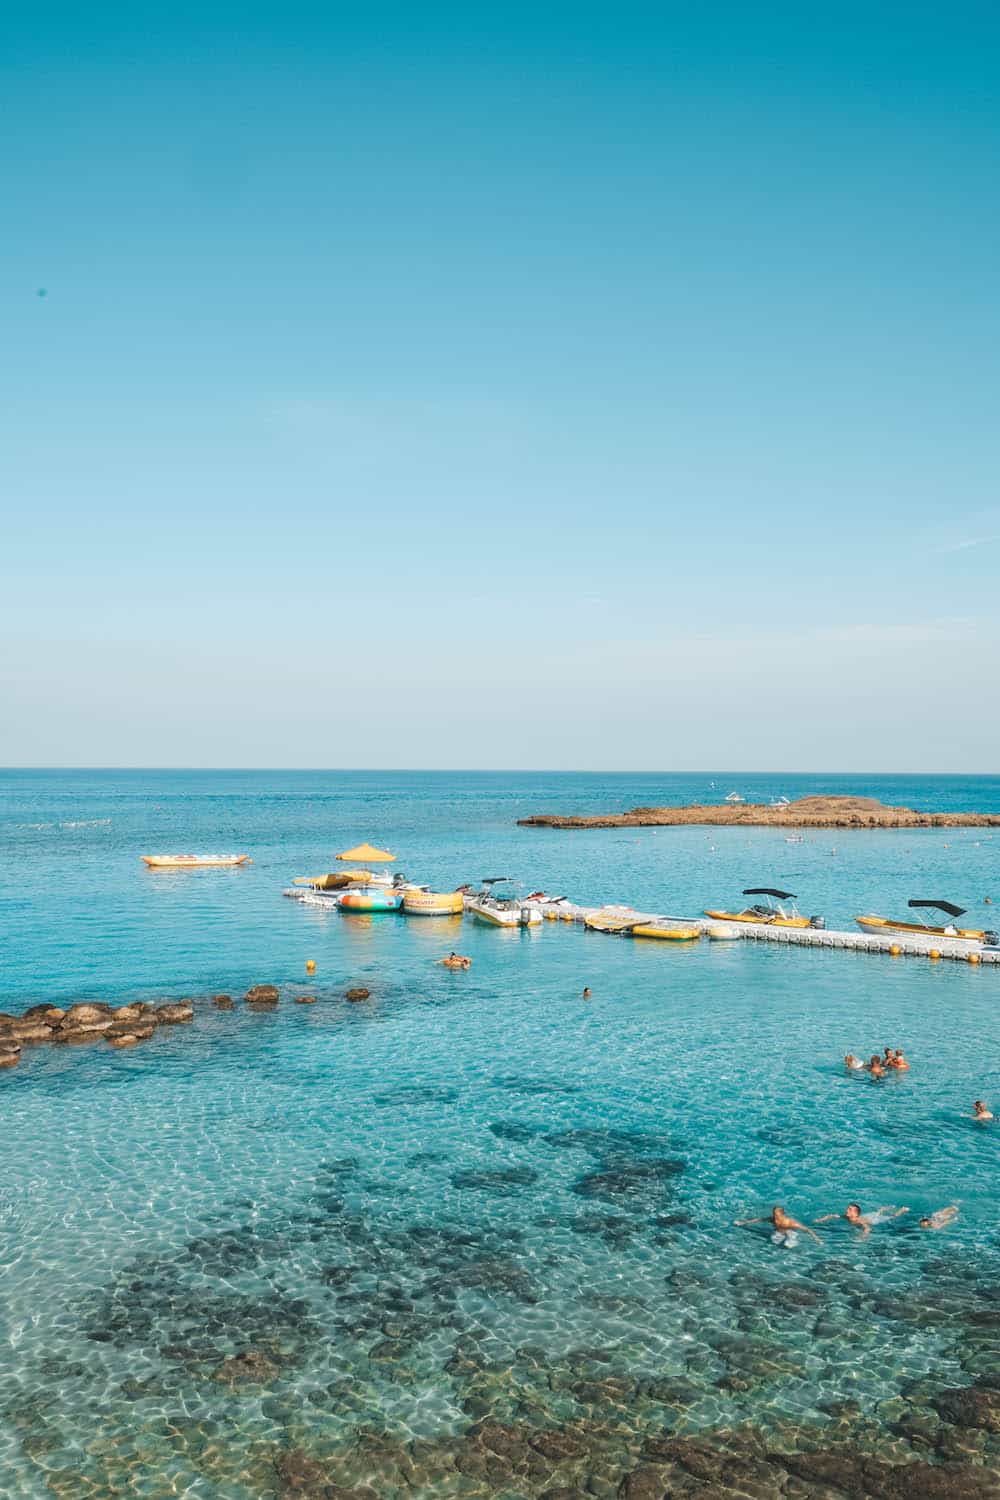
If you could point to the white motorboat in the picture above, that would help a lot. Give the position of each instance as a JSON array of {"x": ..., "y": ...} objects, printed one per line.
[{"x": 502, "y": 908}]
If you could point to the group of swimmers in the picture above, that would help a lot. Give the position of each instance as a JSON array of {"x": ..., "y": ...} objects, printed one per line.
[
  {"x": 456, "y": 961},
  {"x": 892, "y": 1061},
  {"x": 786, "y": 1229}
]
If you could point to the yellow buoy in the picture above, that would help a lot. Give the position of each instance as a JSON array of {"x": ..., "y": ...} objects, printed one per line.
[
  {"x": 895, "y": 950},
  {"x": 310, "y": 966},
  {"x": 567, "y": 916},
  {"x": 934, "y": 953},
  {"x": 551, "y": 916},
  {"x": 973, "y": 958}
]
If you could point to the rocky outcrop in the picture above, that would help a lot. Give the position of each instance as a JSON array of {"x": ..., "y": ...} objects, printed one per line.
[
  {"x": 806, "y": 812},
  {"x": 360, "y": 993},
  {"x": 262, "y": 996},
  {"x": 305, "y": 1000},
  {"x": 223, "y": 1002},
  {"x": 176, "y": 1014}
]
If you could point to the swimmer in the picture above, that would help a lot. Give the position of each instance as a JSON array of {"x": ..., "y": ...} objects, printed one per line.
[
  {"x": 586, "y": 992},
  {"x": 940, "y": 1218},
  {"x": 888, "y": 1055},
  {"x": 456, "y": 961},
  {"x": 899, "y": 1062},
  {"x": 853, "y": 1063},
  {"x": 784, "y": 1226},
  {"x": 980, "y": 1111},
  {"x": 875, "y": 1067},
  {"x": 865, "y": 1222}
]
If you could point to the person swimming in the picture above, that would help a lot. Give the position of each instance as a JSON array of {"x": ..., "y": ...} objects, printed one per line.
[
  {"x": 586, "y": 992},
  {"x": 940, "y": 1218},
  {"x": 865, "y": 1222},
  {"x": 854, "y": 1064},
  {"x": 784, "y": 1226},
  {"x": 981, "y": 1111},
  {"x": 456, "y": 961},
  {"x": 899, "y": 1061},
  {"x": 875, "y": 1067}
]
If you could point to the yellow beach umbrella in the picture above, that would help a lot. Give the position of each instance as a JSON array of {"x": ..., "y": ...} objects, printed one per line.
[{"x": 365, "y": 854}]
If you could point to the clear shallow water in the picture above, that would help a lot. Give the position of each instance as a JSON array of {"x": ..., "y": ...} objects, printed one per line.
[{"x": 476, "y": 1197}]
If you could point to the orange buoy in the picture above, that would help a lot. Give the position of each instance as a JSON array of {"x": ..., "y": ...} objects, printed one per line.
[
  {"x": 934, "y": 953},
  {"x": 973, "y": 958},
  {"x": 310, "y": 966},
  {"x": 895, "y": 950}
]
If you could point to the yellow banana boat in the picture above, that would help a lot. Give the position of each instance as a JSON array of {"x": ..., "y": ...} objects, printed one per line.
[{"x": 193, "y": 861}]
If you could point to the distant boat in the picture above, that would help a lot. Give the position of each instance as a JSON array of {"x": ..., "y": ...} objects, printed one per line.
[
  {"x": 795, "y": 838},
  {"x": 735, "y": 797},
  {"x": 193, "y": 861},
  {"x": 781, "y": 801}
]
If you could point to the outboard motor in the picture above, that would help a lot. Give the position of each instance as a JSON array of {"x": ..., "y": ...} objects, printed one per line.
[
  {"x": 819, "y": 922},
  {"x": 991, "y": 939}
]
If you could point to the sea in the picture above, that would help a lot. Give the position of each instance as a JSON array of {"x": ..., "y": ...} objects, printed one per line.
[{"x": 476, "y": 1235}]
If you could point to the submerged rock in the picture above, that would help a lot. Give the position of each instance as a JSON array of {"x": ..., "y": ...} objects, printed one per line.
[
  {"x": 495, "y": 1180},
  {"x": 970, "y": 1406},
  {"x": 252, "y": 1367},
  {"x": 305, "y": 1000},
  {"x": 359, "y": 993},
  {"x": 9, "y": 1058},
  {"x": 223, "y": 1002},
  {"x": 125, "y": 1039}
]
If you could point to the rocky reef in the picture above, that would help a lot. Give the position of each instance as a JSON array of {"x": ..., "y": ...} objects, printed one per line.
[
  {"x": 806, "y": 812},
  {"x": 121, "y": 1026}
]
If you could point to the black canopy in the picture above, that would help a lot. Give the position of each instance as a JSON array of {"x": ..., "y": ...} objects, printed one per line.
[
  {"x": 765, "y": 890},
  {"x": 494, "y": 879},
  {"x": 953, "y": 911}
]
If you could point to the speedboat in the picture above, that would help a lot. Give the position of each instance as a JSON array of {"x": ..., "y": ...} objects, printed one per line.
[
  {"x": 886, "y": 924},
  {"x": 773, "y": 912},
  {"x": 193, "y": 861},
  {"x": 500, "y": 909}
]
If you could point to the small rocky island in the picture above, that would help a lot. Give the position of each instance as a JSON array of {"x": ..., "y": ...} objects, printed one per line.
[{"x": 806, "y": 812}]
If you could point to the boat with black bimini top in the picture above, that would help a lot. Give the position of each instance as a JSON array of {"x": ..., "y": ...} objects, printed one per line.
[
  {"x": 774, "y": 912},
  {"x": 947, "y": 908}
]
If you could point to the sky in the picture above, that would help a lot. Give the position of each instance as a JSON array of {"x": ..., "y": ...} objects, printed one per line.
[{"x": 552, "y": 385}]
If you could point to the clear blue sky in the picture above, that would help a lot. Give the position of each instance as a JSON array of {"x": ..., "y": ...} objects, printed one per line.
[{"x": 500, "y": 385}]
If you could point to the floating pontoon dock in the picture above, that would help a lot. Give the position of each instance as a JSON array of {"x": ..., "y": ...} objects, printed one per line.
[{"x": 898, "y": 944}]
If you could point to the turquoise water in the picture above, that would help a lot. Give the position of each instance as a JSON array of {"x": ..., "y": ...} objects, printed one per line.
[{"x": 475, "y": 1236}]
